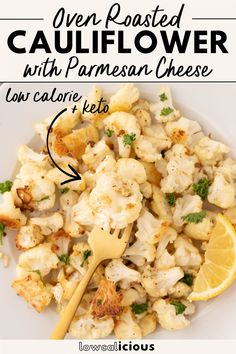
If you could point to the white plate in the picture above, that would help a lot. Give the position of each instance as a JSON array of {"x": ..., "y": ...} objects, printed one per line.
[{"x": 212, "y": 105}]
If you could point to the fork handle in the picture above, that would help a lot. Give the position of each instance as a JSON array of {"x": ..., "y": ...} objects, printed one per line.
[{"x": 68, "y": 314}]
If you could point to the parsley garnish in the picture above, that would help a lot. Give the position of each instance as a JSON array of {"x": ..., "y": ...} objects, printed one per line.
[
  {"x": 86, "y": 255},
  {"x": 44, "y": 198},
  {"x": 65, "y": 258},
  {"x": 109, "y": 132},
  {"x": 187, "y": 279},
  {"x": 194, "y": 217},
  {"x": 65, "y": 190},
  {"x": 137, "y": 309},
  {"x": 171, "y": 199},
  {"x": 166, "y": 111},
  {"x": 2, "y": 227},
  {"x": 179, "y": 307},
  {"x": 201, "y": 188},
  {"x": 163, "y": 97},
  {"x": 5, "y": 186},
  {"x": 128, "y": 139}
]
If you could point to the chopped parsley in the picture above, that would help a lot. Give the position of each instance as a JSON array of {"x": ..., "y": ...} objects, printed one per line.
[
  {"x": 137, "y": 309},
  {"x": 65, "y": 190},
  {"x": 201, "y": 188},
  {"x": 163, "y": 97},
  {"x": 65, "y": 258},
  {"x": 5, "y": 186},
  {"x": 187, "y": 279},
  {"x": 44, "y": 198},
  {"x": 109, "y": 132},
  {"x": 179, "y": 307},
  {"x": 128, "y": 139},
  {"x": 86, "y": 255},
  {"x": 171, "y": 199},
  {"x": 194, "y": 217},
  {"x": 2, "y": 227},
  {"x": 166, "y": 111}
]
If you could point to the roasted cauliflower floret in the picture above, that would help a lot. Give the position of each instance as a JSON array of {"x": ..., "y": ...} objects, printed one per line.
[
  {"x": 48, "y": 224},
  {"x": 117, "y": 272},
  {"x": 124, "y": 98},
  {"x": 157, "y": 132},
  {"x": 56, "y": 176},
  {"x": 146, "y": 148},
  {"x": 167, "y": 316},
  {"x": 227, "y": 168},
  {"x": 126, "y": 327},
  {"x": 82, "y": 212},
  {"x": 164, "y": 110},
  {"x": 96, "y": 153},
  {"x": 68, "y": 284},
  {"x": 186, "y": 254},
  {"x": 106, "y": 302},
  {"x": 86, "y": 327},
  {"x": 39, "y": 258},
  {"x": 150, "y": 229},
  {"x": 140, "y": 252},
  {"x": 201, "y": 231},
  {"x": 26, "y": 154},
  {"x": 180, "y": 169},
  {"x": 115, "y": 202},
  {"x": 11, "y": 216},
  {"x": 123, "y": 124},
  {"x": 181, "y": 290},
  {"x": 167, "y": 238},
  {"x": 128, "y": 168},
  {"x": 158, "y": 283},
  {"x": 135, "y": 294},
  {"x": 210, "y": 151},
  {"x": 146, "y": 189},
  {"x": 165, "y": 261},
  {"x": 184, "y": 206},
  {"x": 28, "y": 237},
  {"x": 33, "y": 290},
  {"x": 160, "y": 205},
  {"x": 222, "y": 193},
  {"x": 40, "y": 189},
  {"x": 184, "y": 131},
  {"x": 60, "y": 242},
  {"x": 77, "y": 257},
  {"x": 148, "y": 324},
  {"x": 153, "y": 176}
]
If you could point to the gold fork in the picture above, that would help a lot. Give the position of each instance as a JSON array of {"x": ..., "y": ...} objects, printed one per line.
[{"x": 104, "y": 245}]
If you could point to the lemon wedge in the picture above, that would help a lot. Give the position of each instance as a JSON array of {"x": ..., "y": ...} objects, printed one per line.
[{"x": 219, "y": 268}]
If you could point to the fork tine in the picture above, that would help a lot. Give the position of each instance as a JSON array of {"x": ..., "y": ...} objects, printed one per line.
[
  {"x": 116, "y": 233},
  {"x": 127, "y": 232}
]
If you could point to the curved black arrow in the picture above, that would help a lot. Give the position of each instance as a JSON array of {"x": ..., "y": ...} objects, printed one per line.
[{"x": 75, "y": 176}]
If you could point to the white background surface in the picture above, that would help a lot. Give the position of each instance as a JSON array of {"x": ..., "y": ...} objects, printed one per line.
[{"x": 212, "y": 105}]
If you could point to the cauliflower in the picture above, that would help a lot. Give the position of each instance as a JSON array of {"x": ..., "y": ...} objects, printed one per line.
[
  {"x": 56, "y": 176},
  {"x": 163, "y": 110},
  {"x": 160, "y": 205},
  {"x": 126, "y": 327},
  {"x": 150, "y": 229},
  {"x": 159, "y": 283},
  {"x": 167, "y": 316},
  {"x": 143, "y": 116},
  {"x": 82, "y": 212},
  {"x": 184, "y": 131},
  {"x": 148, "y": 324},
  {"x": 124, "y": 98},
  {"x": 34, "y": 291},
  {"x": 186, "y": 254},
  {"x": 222, "y": 193},
  {"x": 202, "y": 230},
  {"x": 184, "y": 206},
  {"x": 146, "y": 189},
  {"x": 168, "y": 237},
  {"x": 11, "y": 216},
  {"x": 68, "y": 284},
  {"x": 33, "y": 184},
  {"x": 48, "y": 224},
  {"x": 180, "y": 169},
  {"x": 140, "y": 252},
  {"x": 71, "y": 227},
  {"x": 165, "y": 261},
  {"x": 181, "y": 290},
  {"x": 153, "y": 176},
  {"x": 106, "y": 302},
  {"x": 26, "y": 154},
  {"x": 115, "y": 202},
  {"x": 86, "y": 327},
  {"x": 147, "y": 148},
  {"x": 228, "y": 169},
  {"x": 157, "y": 132},
  {"x": 77, "y": 257},
  {"x": 39, "y": 258},
  {"x": 136, "y": 294},
  {"x": 122, "y": 123},
  {"x": 96, "y": 153},
  {"x": 116, "y": 271},
  {"x": 60, "y": 242},
  {"x": 28, "y": 237},
  {"x": 210, "y": 151},
  {"x": 128, "y": 168}
]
